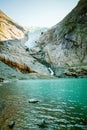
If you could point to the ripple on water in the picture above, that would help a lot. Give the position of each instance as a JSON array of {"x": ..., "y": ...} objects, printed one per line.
[
  {"x": 61, "y": 110},
  {"x": 83, "y": 127},
  {"x": 50, "y": 109}
]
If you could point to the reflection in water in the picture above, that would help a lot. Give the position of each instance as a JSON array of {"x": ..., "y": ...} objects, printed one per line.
[{"x": 63, "y": 104}]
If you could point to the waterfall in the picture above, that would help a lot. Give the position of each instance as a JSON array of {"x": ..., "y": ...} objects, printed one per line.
[{"x": 51, "y": 71}]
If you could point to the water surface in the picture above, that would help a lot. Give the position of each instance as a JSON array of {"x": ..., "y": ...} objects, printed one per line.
[{"x": 63, "y": 104}]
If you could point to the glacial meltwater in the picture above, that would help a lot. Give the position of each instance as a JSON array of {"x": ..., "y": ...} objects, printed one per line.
[{"x": 60, "y": 104}]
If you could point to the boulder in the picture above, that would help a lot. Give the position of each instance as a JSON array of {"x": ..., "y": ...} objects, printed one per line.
[{"x": 33, "y": 100}]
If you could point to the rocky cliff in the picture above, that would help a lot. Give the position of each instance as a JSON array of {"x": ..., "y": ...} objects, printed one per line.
[
  {"x": 64, "y": 46},
  {"x": 9, "y": 30},
  {"x": 12, "y": 47}
]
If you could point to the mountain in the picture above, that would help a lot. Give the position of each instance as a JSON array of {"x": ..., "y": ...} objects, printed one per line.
[
  {"x": 13, "y": 51},
  {"x": 63, "y": 47},
  {"x": 10, "y": 30}
]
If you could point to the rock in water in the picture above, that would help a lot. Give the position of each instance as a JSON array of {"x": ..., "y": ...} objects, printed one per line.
[
  {"x": 11, "y": 124},
  {"x": 42, "y": 123},
  {"x": 33, "y": 100},
  {"x": 84, "y": 122},
  {"x": 1, "y": 79}
]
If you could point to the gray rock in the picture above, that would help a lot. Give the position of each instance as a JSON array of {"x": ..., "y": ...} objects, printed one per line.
[
  {"x": 42, "y": 123},
  {"x": 33, "y": 101},
  {"x": 11, "y": 124}
]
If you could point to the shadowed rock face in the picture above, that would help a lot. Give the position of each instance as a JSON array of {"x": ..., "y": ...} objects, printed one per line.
[{"x": 64, "y": 46}]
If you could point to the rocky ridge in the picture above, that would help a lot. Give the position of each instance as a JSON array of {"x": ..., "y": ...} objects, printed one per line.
[
  {"x": 64, "y": 46},
  {"x": 12, "y": 48}
]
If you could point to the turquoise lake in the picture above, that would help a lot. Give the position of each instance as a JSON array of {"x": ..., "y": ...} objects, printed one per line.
[{"x": 62, "y": 104}]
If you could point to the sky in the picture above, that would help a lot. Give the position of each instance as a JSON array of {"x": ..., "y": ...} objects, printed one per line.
[{"x": 39, "y": 13}]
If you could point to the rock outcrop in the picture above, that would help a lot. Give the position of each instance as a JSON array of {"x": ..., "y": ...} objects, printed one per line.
[
  {"x": 63, "y": 47},
  {"x": 12, "y": 47}
]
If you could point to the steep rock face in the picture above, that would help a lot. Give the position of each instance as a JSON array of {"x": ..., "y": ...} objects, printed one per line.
[
  {"x": 10, "y": 30},
  {"x": 12, "y": 48},
  {"x": 8, "y": 74},
  {"x": 64, "y": 46},
  {"x": 14, "y": 54}
]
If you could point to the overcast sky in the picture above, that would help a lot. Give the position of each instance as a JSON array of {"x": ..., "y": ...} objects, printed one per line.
[{"x": 37, "y": 12}]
